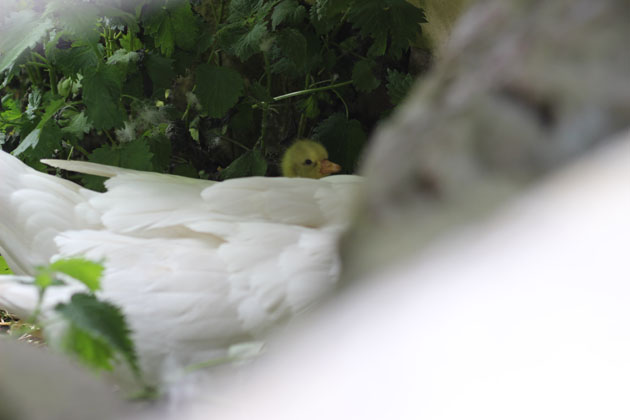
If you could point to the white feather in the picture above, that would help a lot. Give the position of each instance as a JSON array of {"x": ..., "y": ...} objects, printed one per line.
[{"x": 196, "y": 266}]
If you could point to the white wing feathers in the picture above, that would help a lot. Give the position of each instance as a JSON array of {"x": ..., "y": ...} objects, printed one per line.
[
  {"x": 34, "y": 208},
  {"x": 207, "y": 264}
]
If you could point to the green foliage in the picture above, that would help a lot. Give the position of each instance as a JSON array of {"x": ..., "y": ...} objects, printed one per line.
[
  {"x": 4, "y": 268},
  {"x": 398, "y": 85},
  {"x": 97, "y": 332},
  {"x": 233, "y": 81}
]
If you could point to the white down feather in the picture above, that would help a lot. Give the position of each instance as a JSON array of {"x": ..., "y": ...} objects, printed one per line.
[{"x": 195, "y": 265}]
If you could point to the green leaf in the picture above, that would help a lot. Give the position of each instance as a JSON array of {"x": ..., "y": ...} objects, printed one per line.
[
  {"x": 79, "y": 58},
  {"x": 101, "y": 94},
  {"x": 187, "y": 26},
  {"x": 344, "y": 139},
  {"x": 78, "y": 126},
  {"x": 91, "y": 350},
  {"x": 87, "y": 272},
  {"x": 289, "y": 11},
  {"x": 98, "y": 331},
  {"x": 218, "y": 89},
  {"x": 173, "y": 26},
  {"x": 20, "y": 31},
  {"x": 363, "y": 78},
  {"x": 250, "y": 41},
  {"x": 33, "y": 138},
  {"x": 398, "y": 85},
  {"x": 131, "y": 42},
  {"x": 11, "y": 113},
  {"x": 250, "y": 163},
  {"x": 396, "y": 20},
  {"x": 132, "y": 155},
  {"x": 4, "y": 267}
]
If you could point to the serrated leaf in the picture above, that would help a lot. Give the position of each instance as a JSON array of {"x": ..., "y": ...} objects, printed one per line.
[
  {"x": 363, "y": 78},
  {"x": 218, "y": 89},
  {"x": 76, "y": 59},
  {"x": 396, "y": 20},
  {"x": 398, "y": 85},
  {"x": 173, "y": 26},
  {"x": 79, "y": 125},
  {"x": 11, "y": 113},
  {"x": 100, "y": 328},
  {"x": 160, "y": 27},
  {"x": 102, "y": 88},
  {"x": 287, "y": 11},
  {"x": 32, "y": 140},
  {"x": 131, "y": 42},
  {"x": 20, "y": 31},
  {"x": 250, "y": 41},
  {"x": 250, "y": 163},
  {"x": 85, "y": 271}
]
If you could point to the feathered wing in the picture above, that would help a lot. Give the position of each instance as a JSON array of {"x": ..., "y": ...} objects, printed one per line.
[
  {"x": 34, "y": 209},
  {"x": 195, "y": 265}
]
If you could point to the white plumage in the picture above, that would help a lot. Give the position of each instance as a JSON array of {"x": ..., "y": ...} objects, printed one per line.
[{"x": 195, "y": 265}]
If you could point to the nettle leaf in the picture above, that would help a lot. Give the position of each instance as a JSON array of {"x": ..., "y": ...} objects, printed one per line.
[
  {"x": 250, "y": 163},
  {"x": 343, "y": 138},
  {"x": 85, "y": 271},
  {"x": 173, "y": 26},
  {"x": 102, "y": 88},
  {"x": 133, "y": 155},
  {"x": 289, "y": 11},
  {"x": 240, "y": 10},
  {"x": 398, "y": 85},
  {"x": 79, "y": 125},
  {"x": 396, "y": 20},
  {"x": 363, "y": 78},
  {"x": 250, "y": 41},
  {"x": 98, "y": 330},
  {"x": 188, "y": 26},
  {"x": 327, "y": 9},
  {"x": 76, "y": 59},
  {"x": 21, "y": 31},
  {"x": 130, "y": 41},
  {"x": 51, "y": 136},
  {"x": 11, "y": 112},
  {"x": 160, "y": 28},
  {"x": 218, "y": 88}
]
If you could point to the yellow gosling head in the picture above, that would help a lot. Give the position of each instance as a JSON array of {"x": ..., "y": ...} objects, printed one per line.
[{"x": 307, "y": 159}]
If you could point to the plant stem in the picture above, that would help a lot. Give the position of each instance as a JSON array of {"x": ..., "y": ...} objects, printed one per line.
[{"x": 311, "y": 90}]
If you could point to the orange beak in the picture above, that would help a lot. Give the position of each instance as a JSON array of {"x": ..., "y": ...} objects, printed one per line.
[{"x": 329, "y": 167}]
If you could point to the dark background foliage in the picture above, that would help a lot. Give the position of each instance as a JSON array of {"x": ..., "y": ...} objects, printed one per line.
[{"x": 203, "y": 88}]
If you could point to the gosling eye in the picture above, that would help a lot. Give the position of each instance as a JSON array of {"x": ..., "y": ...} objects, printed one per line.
[{"x": 308, "y": 162}]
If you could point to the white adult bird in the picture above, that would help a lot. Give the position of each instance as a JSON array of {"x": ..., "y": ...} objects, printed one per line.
[{"x": 196, "y": 266}]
